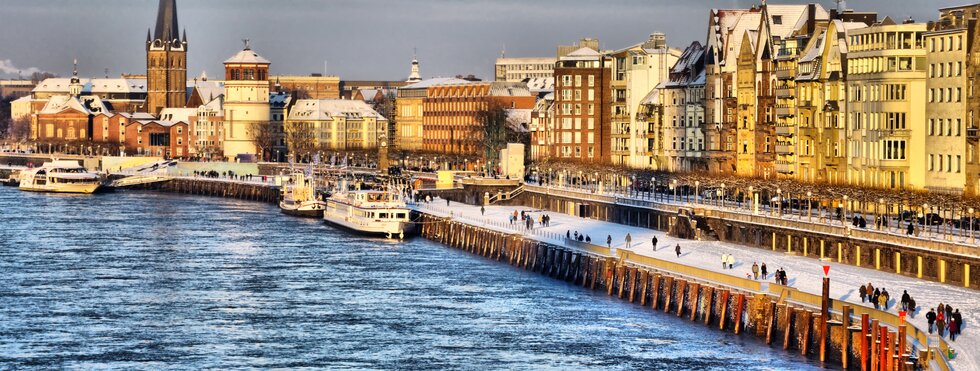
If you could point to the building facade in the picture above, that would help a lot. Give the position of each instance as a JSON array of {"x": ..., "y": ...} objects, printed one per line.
[
  {"x": 246, "y": 103},
  {"x": 450, "y": 119},
  {"x": 166, "y": 61},
  {"x": 582, "y": 107},
  {"x": 336, "y": 124},
  {"x": 521, "y": 69}
]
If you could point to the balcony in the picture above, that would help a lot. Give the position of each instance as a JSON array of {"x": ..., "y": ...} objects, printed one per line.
[
  {"x": 785, "y": 73},
  {"x": 785, "y": 92},
  {"x": 786, "y": 53},
  {"x": 785, "y": 167},
  {"x": 784, "y": 149},
  {"x": 784, "y": 111},
  {"x": 972, "y": 133},
  {"x": 785, "y": 131}
]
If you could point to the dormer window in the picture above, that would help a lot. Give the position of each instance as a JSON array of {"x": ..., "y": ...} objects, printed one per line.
[{"x": 777, "y": 19}]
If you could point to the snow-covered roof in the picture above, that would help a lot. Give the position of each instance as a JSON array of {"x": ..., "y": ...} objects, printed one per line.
[
  {"x": 582, "y": 54},
  {"x": 327, "y": 109},
  {"x": 540, "y": 84},
  {"x": 177, "y": 114},
  {"x": 509, "y": 89},
  {"x": 136, "y": 115},
  {"x": 247, "y": 56},
  {"x": 518, "y": 119},
  {"x": 164, "y": 123},
  {"x": 653, "y": 97},
  {"x": 87, "y": 104},
  {"x": 208, "y": 90},
  {"x": 433, "y": 82},
  {"x": 92, "y": 86}
]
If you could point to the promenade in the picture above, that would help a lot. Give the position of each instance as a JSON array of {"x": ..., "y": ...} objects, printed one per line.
[{"x": 803, "y": 273}]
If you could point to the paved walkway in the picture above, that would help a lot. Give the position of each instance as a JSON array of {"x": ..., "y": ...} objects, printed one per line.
[{"x": 804, "y": 273}]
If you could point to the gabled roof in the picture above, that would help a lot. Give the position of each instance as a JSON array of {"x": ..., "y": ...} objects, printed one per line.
[
  {"x": 164, "y": 123},
  {"x": 582, "y": 54},
  {"x": 509, "y": 89},
  {"x": 92, "y": 86},
  {"x": 85, "y": 104}
]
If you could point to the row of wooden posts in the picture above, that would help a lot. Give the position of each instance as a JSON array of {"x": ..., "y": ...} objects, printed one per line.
[
  {"x": 796, "y": 327},
  {"x": 214, "y": 188}
]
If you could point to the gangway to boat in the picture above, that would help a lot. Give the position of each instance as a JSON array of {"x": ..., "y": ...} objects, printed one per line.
[{"x": 134, "y": 180}]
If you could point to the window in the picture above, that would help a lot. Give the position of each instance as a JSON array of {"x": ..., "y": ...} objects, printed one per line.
[
  {"x": 591, "y": 81},
  {"x": 777, "y": 19}
]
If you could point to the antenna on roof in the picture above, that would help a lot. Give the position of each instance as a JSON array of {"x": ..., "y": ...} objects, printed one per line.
[{"x": 503, "y": 51}]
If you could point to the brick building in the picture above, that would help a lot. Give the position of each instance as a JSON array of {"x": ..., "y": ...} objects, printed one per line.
[
  {"x": 582, "y": 109},
  {"x": 450, "y": 114}
]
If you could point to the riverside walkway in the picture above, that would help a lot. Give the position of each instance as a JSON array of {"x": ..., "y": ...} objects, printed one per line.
[{"x": 805, "y": 274}]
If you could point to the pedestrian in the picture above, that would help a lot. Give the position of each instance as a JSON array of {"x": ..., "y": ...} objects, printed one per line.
[
  {"x": 678, "y": 250},
  {"x": 931, "y": 317},
  {"x": 765, "y": 272},
  {"x": 654, "y": 243},
  {"x": 954, "y": 328},
  {"x": 755, "y": 270},
  {"x": 941, "y": 323},
  {"x": 483, "y": 211},
  {"x": 910, "y": 229},
  {"x": 588, "y": 239},
  {"x": 731, "y": 261},
  {"x": 447, "y": 202},
  {"x": 911, "y": 309},
  {"x": 609, "y": 240},
  {"x": 874, "y": 298},
  {"x": 949, "y": 310},
  {"x": 629, "y": 240},
  {"x": 884, "y": 293},
  {"x": 905, "y": 300},
  {"x": 883, "y": 301},
  {"x": 870, "y": 290},
  {"x": 864, "y": 292},
  {"x": 724, "y": 261},
  {"x": 568, "y": 235},
  {"x": 959, "y": 321}
]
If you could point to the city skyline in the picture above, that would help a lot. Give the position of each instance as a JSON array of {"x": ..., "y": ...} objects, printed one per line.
[{"x": 351, "y": 45}]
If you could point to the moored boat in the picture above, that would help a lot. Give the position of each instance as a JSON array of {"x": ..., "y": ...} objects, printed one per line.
[
  {"x": 372, "y": 212},
  {"x": 299, "y": 197},
  {"x": 59, "y": 176}
]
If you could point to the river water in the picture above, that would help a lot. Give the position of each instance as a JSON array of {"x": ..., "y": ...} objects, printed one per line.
[{"x": 151, "y": 280}]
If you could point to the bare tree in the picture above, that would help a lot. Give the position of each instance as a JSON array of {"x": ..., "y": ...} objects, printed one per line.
[
  {"x": 493, "y": 122},
  {"x": 264, "y": 135},
  {"x": 19, "y": 129},
  {"x": 300, "y": 139}
]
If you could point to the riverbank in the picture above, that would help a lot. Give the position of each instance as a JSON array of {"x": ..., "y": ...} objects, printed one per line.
[{"x": 805, "y": 274}]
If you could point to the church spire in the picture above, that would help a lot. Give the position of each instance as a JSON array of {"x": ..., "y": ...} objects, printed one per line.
[
  {"x": 166, "y": 27},
  {"x": 414, "y": 76}
]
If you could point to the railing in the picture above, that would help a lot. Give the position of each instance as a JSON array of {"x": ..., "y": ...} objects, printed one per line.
[
  {"x": 785, "y": 130},
  {"x": 784, "y": 111},
  {"x": 785, "y": 92},
  {"x": 704, "y": 274},
  {"x": 785, "y": 73},
  {"x": 500, "y": 196}
]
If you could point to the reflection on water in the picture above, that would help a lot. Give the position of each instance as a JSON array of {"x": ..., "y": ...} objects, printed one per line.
[{"x": 150, "y": 280}]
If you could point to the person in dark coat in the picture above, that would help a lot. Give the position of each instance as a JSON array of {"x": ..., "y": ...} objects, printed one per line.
[
  {"x": 609, "y": 241},
  {"x": 910, "y": 230},
  {"x": 765, "y": 272},
  {"x": 905, "y": 300},
  {"x": 959, "y": 321},
  {"x": 874, "y": 298},
  {"x": 949, "y": 311},
  {"x": 931, "y": 317},
  {"x": 911, "y": 309},
  {"x": 864, "y": 293},
  {"x": 678, "y": 250},
  {"x": 654, "y": 240}
]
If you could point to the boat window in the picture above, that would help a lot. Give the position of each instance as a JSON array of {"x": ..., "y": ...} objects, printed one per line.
[
  {"x": 401, "y": 215},
  {"x": 383, "y": 216}
]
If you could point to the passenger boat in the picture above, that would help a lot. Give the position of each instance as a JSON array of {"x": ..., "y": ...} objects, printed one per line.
[
  {"x": 299, "y": 197},
  {"x": 59, "y": 176},
  {"x": 372, "y": 212}
]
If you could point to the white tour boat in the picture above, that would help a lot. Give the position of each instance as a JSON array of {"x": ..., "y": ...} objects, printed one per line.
[
  {"x": 59, "y": 176},
  {"x": 299, "y": 197},
  {"x": 370, "y": 212}
]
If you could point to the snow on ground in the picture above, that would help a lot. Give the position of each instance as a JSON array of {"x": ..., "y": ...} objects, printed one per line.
[{"x": 804, "y": 273}]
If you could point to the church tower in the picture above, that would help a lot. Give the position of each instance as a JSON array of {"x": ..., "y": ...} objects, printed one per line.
[
  {"x": 414, "y": 76},
  {"x": 166, "y": 61}
]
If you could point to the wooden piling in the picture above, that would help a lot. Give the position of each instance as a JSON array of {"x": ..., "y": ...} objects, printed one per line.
[
  {"x": 740, "y": 306},
  {"x": 709, "y": 295},
  {"x": 770, "y": 324},
  {"x": 790, "y": 319},
  {"x": 865, "y": 329},
  {"x": 668, "y": 293},
  {"x": 681, "y": 285},
  {"x": 724, "y": 309},
  {"x": 633, "y": 282},
  {"x": 805, "y": 337},
  {"x": 656, "y": 290},
  {"x": 875, "y": 345},
  {"x": 695, "y": 291},
  {"x": 644, "y": 286}
]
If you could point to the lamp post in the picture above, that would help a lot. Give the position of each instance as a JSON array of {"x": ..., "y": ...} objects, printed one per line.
[
  {"x": 779, "y": 199},
  {"x": 809, "y": 206},
  {"x": 970, "y": 210},
  {"x": 673, "y": 187},
  {"x": 844, "y": 214},
  {"x": 722, "y": 195},
  {"x": 697, "y": 190},
  {"x": 751, "y": 197},
  {"x": 653, "y": 187},
  {"x": 925, "y": 217},
  {"x": 882, "y": 215}
]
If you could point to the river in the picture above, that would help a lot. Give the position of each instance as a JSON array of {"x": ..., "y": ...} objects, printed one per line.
[{"x": 152, "y": 280}]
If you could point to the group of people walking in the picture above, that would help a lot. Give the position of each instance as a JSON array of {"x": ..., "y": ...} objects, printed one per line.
[
  {"x": 945, "y": 320},
  {"x": 879, "y": 298},
  {"x": 757, "y": 269}
]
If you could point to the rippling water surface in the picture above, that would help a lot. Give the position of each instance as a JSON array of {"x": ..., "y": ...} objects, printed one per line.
[{"x": 152, "y": 280}]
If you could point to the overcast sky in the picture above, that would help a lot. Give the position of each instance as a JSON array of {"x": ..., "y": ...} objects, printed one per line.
[{"x": 358, "y": 39}]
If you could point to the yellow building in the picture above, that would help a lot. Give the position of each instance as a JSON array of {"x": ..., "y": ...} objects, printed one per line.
[
  {"x": 886, "y": 123},
  {"x": 246, "y": 102},
  {"x": 821, "y": 94},
  {"x": 947, "y": 58},
  {"x": 336, "y": 124}
]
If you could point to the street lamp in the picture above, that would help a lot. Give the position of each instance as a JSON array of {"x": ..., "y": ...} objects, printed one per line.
[
  {"x": 779, "y": 199},
  {"x": 673, "y": 187},
  {"x": 697, "y": 190},
  {"x": 970, "y": 210},
  {"x": 809, "y": 206},
  {"x": 925, "y": 217},
  {"x": 653, "y": 187},
  {"x": 751, "y": 197},
  {"x": 844, "y": 214},
  {"x": 882, "y": 214},
  {"x": 722, "y": 194}
]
